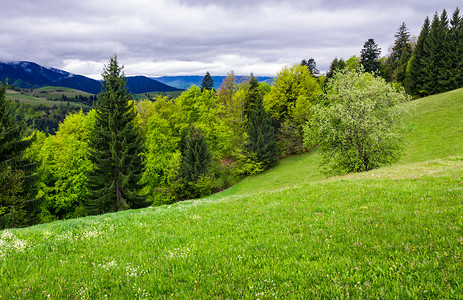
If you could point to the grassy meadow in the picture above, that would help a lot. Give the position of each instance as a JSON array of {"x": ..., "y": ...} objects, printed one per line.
[
  {"x": 395, "y": 232},
  {"x": 47, "y": 96}
]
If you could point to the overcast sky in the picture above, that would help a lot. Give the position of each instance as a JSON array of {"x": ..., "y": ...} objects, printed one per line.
[{"x": 190, "y": 37}]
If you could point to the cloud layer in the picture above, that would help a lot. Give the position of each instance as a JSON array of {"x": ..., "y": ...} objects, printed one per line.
[{"x": 190, "y": 37}]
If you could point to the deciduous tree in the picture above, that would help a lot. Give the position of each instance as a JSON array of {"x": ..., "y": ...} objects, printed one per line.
[{"x": 358, "y": 126}]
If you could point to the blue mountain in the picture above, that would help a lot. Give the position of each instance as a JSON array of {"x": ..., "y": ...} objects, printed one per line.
[{"x": 185, "y": 82}]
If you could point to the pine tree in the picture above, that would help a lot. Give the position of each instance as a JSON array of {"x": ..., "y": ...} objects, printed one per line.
[
  {"x": 15, "y": 171},
  {"x": 115, "y": 148},
  {"x": 262, "y": 143},
  {"x": 207, "y": 83},
  {"x": 401, "y": 53},
  {"x": 417, "y": 75},
  {"x": 370, "y": 56}
]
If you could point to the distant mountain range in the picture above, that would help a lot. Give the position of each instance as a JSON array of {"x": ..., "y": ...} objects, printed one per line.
[
  {"x": 185, "y": 82},
  {"x": 26, "y": 74}
]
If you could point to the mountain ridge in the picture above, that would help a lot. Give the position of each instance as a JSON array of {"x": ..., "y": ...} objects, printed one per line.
[{"x": 25, "y": 74}]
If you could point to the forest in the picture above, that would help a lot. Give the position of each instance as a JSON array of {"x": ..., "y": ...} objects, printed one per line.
[{"x": 125, "y": 154}]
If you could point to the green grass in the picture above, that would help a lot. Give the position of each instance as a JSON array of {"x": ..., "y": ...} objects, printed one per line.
[
  {"x": 436, "y": 127},
  {"x": 57, "y": 92},
  {"x": 47, "y": 96},
  {"x": 394, "y": 232}
]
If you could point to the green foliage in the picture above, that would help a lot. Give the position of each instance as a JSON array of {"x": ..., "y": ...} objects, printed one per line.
[
  {"x": 369, "y": 57},
  {"x": 12, "y": 206},
  {"x": 115, "y": 148},
  {"x": 261, "y": 146},
  {"x": 291, "y": 99},
  {"x": 232, "y": 97},
  {"x": 162, "y": 151},
  {"x": 13, "y": 167},
  {"x": 358, "y": 126},
  {"x": 64, "y": 167},
  {"x": 195, "y": 165}
]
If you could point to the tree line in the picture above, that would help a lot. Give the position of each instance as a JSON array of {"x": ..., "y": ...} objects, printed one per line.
[{"x": 429, "y": 65}]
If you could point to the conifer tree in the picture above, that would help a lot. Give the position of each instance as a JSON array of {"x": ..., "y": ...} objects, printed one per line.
[
  {"x": 455, "y": 51},
  {"x": 115, "y": 148},
  {"x": 401, "y": 53},
  {"x": 207, "y": 83},
  {"x": 14, "y": 169},
  {"x": 336, "y": 65},
  {"x": 262, "y": 142},
  {"x": 436, "y": 69},
  {"x": 417, "y": 74},
  {"x": 311, "y": 65},
  {"x": 370, "y": 56}
]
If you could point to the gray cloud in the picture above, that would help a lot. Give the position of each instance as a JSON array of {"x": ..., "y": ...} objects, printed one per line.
[{"x": 166, "y": 37}]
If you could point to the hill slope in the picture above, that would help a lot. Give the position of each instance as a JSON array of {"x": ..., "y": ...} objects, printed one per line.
[{"x": 395, "y": 232}]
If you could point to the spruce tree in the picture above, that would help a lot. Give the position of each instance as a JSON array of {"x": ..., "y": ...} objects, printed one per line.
[
  {"x": 436, "y": 69},
  {"x": 370, "y": 56},
  {"x": 417, "y": 75},
  {"x": 262, "y": 142},
  {"x": 115, "y": 148},
  {"x": 445, "y": 72},
  {"x": 207, "y": 83},
  {"x": 459, "y": 55},
  {"x": 456, "y": 50},
  {"x": 15, "y": 171},
  {"x": 401, "y": 53}
]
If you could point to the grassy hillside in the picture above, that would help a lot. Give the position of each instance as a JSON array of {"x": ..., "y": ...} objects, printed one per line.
[
  {"x": 47, "y": 96},
  {"x": 436, "y": 127},
  {"x": 395, "y": 232}
]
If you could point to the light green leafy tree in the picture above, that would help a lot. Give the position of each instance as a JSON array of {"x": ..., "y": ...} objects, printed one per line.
[
  {"x": 289, "y": 104},
  {"x": 358, "y": 124},
  {"x": 162, "y": 152},
  {"x": 64, "y": 167}
]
